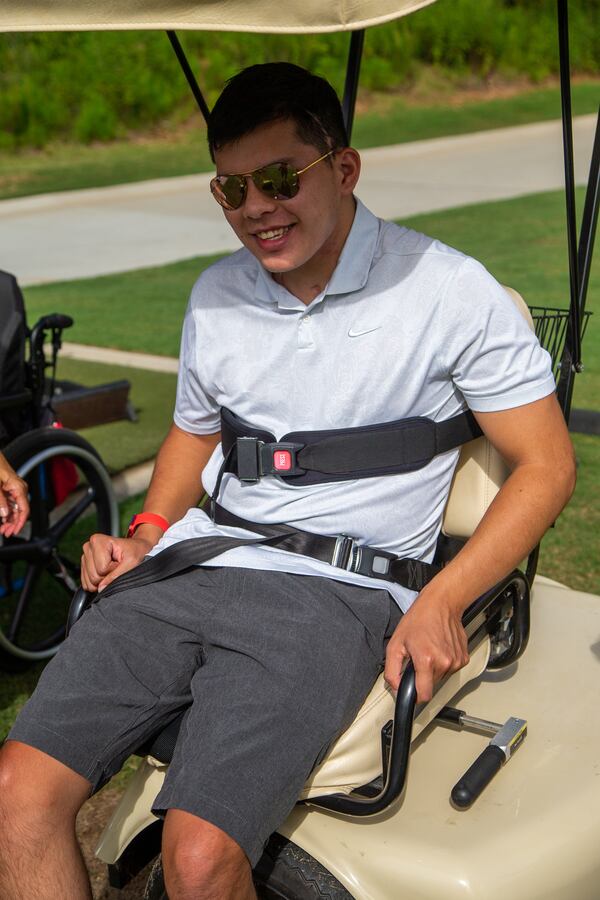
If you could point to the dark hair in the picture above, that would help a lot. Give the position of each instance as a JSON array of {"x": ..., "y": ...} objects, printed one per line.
[{"x": 277, "y": 91}]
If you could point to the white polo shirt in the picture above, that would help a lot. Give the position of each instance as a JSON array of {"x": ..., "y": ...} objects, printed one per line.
[{"x": 406, "y": 327}]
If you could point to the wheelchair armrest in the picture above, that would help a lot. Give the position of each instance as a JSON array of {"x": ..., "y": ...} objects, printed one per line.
[
  {"x": 81, "y": 601},
  {"x": 475, "y": 620}
]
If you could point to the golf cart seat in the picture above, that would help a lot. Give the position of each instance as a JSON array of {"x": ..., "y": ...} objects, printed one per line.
[{"x": 356, "y": 759}]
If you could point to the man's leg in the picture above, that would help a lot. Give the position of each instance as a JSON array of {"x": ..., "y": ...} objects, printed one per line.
[
  {"x": 288, "y": 660},
  {"x": 201, "y": 862},
  {"x": 39, "y": 801},
  {"x": 123, "y": 671}
]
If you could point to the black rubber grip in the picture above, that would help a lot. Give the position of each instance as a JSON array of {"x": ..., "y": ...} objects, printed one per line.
[
  {"x": 57, "y": 320},
  {"x": 475, "y": 779}
]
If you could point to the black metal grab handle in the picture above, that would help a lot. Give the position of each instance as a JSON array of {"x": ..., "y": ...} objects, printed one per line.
[
  {"x": 81, "y": 601},
  {"x": 356, "y": 805},
  {"x": 477, "y": 777}
]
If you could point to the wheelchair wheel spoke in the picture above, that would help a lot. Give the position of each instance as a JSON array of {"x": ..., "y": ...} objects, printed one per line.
[
  {"x": 59, "y": 528},
  {"x": 31, "y": 576},
  {"x": 65, "y": 572}
]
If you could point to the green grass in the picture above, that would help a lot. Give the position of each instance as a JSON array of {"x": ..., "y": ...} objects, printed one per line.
[
  {"x": 522, "y": 242},
  {"x": 140, "y": 310},
  {"x": 124, "y": 444},
  {"x": 383, "y": 119},
  {"x": 399, "y": 122}
]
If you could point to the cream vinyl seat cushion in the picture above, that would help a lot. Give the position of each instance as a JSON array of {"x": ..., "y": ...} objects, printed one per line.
[{"x": 355, "y": 758}]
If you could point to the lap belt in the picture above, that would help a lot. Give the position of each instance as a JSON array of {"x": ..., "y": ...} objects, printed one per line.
[
  {"x": 312, "y": 457},
  {"x": 342, "y": 551}
]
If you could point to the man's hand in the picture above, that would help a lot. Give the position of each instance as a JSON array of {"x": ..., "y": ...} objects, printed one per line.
[
  {"x": 14, "y": 504},
  {"x": 105, "y": 558},
  {"x": 432, "y": 635}
]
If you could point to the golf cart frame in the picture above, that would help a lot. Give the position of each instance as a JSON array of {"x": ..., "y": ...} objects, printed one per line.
[{"x": 501, "y": 614}]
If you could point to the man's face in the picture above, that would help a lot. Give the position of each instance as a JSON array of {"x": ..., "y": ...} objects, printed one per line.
[{"x": 286, "y": 235}]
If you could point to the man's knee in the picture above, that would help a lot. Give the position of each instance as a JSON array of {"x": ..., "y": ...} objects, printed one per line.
[
  {"x": 36, "y": 791},
  {"x": 199, "y": 857}
]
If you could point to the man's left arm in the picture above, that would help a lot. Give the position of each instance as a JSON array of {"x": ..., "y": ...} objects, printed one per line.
[{"x": 534, "y": 441}]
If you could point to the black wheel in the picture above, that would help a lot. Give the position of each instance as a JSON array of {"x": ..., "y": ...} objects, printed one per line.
[
  {"x": 71, "y": 497},
  {"x": 284, "y": 872}
]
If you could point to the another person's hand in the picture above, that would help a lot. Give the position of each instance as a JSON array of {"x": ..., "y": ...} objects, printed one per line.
[
  {"x": 432, "y": 636},
  {"x": 14, "y": 504},
  {"x": 104, "y": 558}
]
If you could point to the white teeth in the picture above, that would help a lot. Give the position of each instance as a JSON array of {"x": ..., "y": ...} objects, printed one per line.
[{"x": 275, "y": 233}]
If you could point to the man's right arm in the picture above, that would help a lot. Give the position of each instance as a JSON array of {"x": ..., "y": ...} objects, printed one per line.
[{"x": 176, "y": 486}]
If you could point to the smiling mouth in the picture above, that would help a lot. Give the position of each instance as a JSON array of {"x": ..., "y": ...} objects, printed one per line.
[{"x": 272, "y": 234}]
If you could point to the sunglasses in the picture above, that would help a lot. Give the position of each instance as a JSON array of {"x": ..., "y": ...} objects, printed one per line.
[{"x": 278, "y": 181}]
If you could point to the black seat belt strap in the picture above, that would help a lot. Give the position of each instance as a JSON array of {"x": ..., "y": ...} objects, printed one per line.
[{"x": 342, "y": 552}]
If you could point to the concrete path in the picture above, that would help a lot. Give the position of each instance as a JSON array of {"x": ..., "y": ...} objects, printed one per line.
[
  {"x": 120, "y": 357},
  {"x": 78, "y": 234}
]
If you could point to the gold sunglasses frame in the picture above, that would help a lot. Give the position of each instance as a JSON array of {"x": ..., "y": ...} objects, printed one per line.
[{"x": 246, "y": 175}]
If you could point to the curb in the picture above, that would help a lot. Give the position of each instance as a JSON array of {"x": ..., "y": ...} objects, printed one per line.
[{"x": 132, "y": 481}]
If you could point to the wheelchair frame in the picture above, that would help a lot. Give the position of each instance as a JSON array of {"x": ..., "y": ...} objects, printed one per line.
[{"x": 35, "y": 454}]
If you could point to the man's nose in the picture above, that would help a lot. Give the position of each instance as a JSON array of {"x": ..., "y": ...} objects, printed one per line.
[{"x": 256, "y": 203}]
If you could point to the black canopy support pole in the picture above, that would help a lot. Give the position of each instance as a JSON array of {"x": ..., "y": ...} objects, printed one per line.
[
  {"x": 589, "y": 221},
  {"x": 571, "y": 359},
  {"x": 190, "y": 77},
  {"x": 352, "y": 72}
]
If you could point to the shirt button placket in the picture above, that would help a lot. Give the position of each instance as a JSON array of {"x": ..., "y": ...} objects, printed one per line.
[{"x": 305, "y": 339}]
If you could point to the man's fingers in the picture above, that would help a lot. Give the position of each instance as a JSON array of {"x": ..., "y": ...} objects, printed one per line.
[
  {"x": 118, "y": 570},
  {"x": 424, "y": 680},
  {"x": 396, "y": 660}
]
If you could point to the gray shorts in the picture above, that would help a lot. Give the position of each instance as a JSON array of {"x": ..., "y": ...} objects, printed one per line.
[{"x": 275, "y": 666}]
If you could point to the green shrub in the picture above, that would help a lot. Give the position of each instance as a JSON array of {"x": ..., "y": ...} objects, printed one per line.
[{"x": 96, "y": 85}]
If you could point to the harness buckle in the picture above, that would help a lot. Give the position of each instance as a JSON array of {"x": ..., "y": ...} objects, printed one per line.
[
  {"x": 354, "y": 557},
  {"x": 249, "y": 469},
  {"x": 372, "y": 562},
  {"x": 281, "y": 458},
  {"x": 255, "y": 458},
  {"x": 343, "y": 552}
]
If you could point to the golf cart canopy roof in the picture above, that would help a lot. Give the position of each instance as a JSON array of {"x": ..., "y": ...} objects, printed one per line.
[{"x": 266, "y": 16}]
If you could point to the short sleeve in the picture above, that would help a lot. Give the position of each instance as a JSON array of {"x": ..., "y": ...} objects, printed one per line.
[
  {"x": 195, "y": 410},
  {"x": 492, "y": 355}
]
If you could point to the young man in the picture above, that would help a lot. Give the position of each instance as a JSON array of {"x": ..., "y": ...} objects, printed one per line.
[{"x": 328, "y": 319}]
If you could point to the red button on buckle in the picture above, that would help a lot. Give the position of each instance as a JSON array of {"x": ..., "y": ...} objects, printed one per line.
[{"x": 282, "y": 460}]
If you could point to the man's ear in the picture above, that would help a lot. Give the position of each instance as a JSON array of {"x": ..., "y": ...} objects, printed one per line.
[{"x": 347, "y": 162}]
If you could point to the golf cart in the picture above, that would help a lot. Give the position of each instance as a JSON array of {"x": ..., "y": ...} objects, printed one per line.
[{"x": 362, "y": 828}]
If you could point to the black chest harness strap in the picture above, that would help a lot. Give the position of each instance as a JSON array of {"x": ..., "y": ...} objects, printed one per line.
[
  {"x": 313, "y": 457},
  {"x": 343, "y": 454}
]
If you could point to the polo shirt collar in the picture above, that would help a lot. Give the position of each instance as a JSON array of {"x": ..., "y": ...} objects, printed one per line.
[{"x": 351, "y": 272}]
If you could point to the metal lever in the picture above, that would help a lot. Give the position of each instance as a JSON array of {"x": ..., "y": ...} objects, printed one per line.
[{"x": 506, "y": 738}]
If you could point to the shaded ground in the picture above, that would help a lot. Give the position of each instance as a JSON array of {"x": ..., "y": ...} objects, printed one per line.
[{"x": 92, "y": 819}]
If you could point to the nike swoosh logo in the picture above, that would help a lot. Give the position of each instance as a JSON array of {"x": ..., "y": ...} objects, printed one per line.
[{"x": 353, "y": 333}]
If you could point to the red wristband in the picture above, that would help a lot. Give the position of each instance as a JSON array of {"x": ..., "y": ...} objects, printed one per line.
[{"x": 146, "y": 519}]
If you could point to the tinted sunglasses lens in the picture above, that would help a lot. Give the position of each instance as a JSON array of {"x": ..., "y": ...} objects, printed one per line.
[
  {"x": 277, "y": 181},
  {"x": 229, "y": 190}
]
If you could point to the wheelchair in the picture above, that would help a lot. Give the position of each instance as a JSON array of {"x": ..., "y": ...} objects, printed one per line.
[{"x": 70, "y": 490}]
